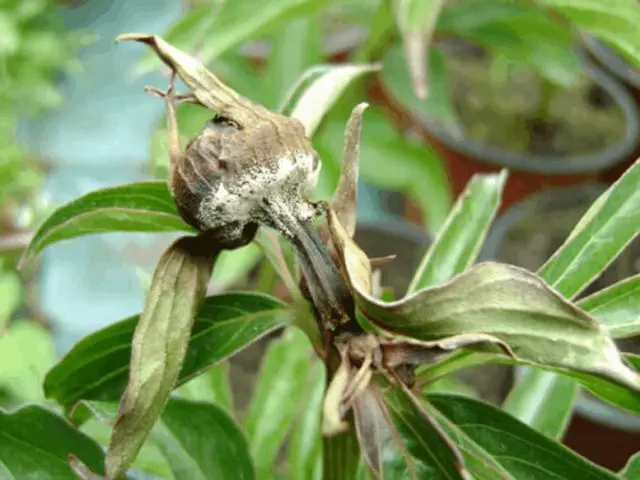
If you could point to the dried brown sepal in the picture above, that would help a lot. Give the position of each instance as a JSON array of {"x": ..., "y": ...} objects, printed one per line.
[
  {"x": 344, "y": 201},
  {"x": 372, "y": 427},
  {"x": 333, "y": 411}
]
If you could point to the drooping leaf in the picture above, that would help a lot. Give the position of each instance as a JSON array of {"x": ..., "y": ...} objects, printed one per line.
[
  {"x": 416, "y": 20},
  {"x": 277, "y": 396},
  {"x": 159, "y": 345},
  {"x": 617, "y": 307},
  {"x": 503, "y": 447},
  {"x": 35, "y": 443},
  {"x": 513, "y": 305},
  {"x": 324, "y": 91},
  {"x": 135, "y": 207},
  {"x": 305, "y": 444},
  {"x": 459, "y": 241},
  {"x": 550, "y": 412},
  {"x": 96, "y": 368},
  {"x": 200, "y": 441},
  {"x": 432, "y": 453}
]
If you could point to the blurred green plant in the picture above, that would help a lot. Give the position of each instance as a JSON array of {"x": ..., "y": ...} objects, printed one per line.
[{"x": 362, "y": 399}]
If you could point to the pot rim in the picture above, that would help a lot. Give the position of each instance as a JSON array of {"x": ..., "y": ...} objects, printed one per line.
[
  {"x": 611, "y": 60},
  {"x": 589, "y": 407},
  {"x": 554, "y": 164}
]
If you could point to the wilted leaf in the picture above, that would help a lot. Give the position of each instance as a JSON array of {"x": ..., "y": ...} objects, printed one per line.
[
  {"x": 497, "y": 446},
  {"x": 513, "y": 305},
  {"x": 35, "y": 443},
  {"x": 459, "y": 241},
  {"x": 159, "y": 345},
  {"x": 277, "y": 396},
  {"x": 617, "y": 307},
  {"x": 324, "y": 91},
  {"x": 97, "y": 367},
  {"x": 136, "y": 207},
  {"x": 305, "y": 445},
  {"x": 200, "y": 441}
]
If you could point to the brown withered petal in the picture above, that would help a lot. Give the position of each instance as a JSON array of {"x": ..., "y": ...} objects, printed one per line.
[
  {"x": 372, "y": 427},
  {"x": 397, "y": 352},
  {"x": 355, "y": 265},
  {"x": 344, "y": 201}
]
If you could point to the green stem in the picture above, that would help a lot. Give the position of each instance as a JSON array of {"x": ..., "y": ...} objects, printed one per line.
[{"x": 341, "y": 457}]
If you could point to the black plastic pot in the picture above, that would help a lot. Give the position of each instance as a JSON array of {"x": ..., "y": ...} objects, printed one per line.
[
  {"x": 526, "y": 235},
  {"x": 528, "y": 173}
]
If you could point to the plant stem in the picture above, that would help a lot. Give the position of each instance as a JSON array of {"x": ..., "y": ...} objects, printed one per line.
[{"x": 341, "y": 456}]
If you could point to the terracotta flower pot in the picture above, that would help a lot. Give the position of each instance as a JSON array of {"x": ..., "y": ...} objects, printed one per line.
[
  {"x": 528, "y": 173},
  {"x": 630, "y": 77},
  {"x": 526, "y": 235}
]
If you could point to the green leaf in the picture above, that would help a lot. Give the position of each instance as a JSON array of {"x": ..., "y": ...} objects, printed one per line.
[
  {"x": 294, "y": 49},
  {"x": 417, "y": 170},
  {"x": 35, "y": 443},
  {"x": 97, "y": 367},
  {"x": 437, "y": 106},
  {"x": 136, "y": 207},
  {"x": 432, "y": 454},
  {"x": 241, "y": 20},
  {"x": 277, "y": 396},
  {"x": 462, "y": 236},
  {"x": 200, "y": 442},
  {"x": 614, "y": 21},
  {"x": 324, "y": 91},
  {"x": 617, "y": 307},
  {"x": 159, "y": 345},
  {"x": 416, "y": 20},
  {"x": 546, "y": 403},
  {"x": 10, "y": 297},
  {"x": 26, "y": 353},
  {"x": 497, "y": 446},
  {"x": 305, "y": 445},
  {"x": 513, "y": 305},
  {"x": 631, "y": 471},
  {"x": 211, "y": 386},
  {"x": 464, "y": 18}
]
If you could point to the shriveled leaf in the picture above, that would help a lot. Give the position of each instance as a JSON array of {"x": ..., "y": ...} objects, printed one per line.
[
  {"x": 462, "y": 236},
  {"x": 543, "y": 400},
  {"x": 416, "y": 20},
  {"x": 497, "y": 446},
  {"x": 512, "y": 305},
  {"x": 617, "y": 307},
  {"x": 277, "y": 396},
  {"x": 305, "y": 444},
  {"x": 35, "y": 443},
  {"x": 602, "y": 233},
  {"x": 344, "y": 201},
  {"x": 333, "y": 411},
  {"x": 371, "y": 426},
  {"x": 432, "y": 453},
  {"x": 97, "y": 367},
  {"x": 631, "y": 470},
  {"x": 200, "y": 441},
  {"x": 135, "y": 207},
  {"x": 324, "y": 91},
  {"x": 159, "y": 345}
]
